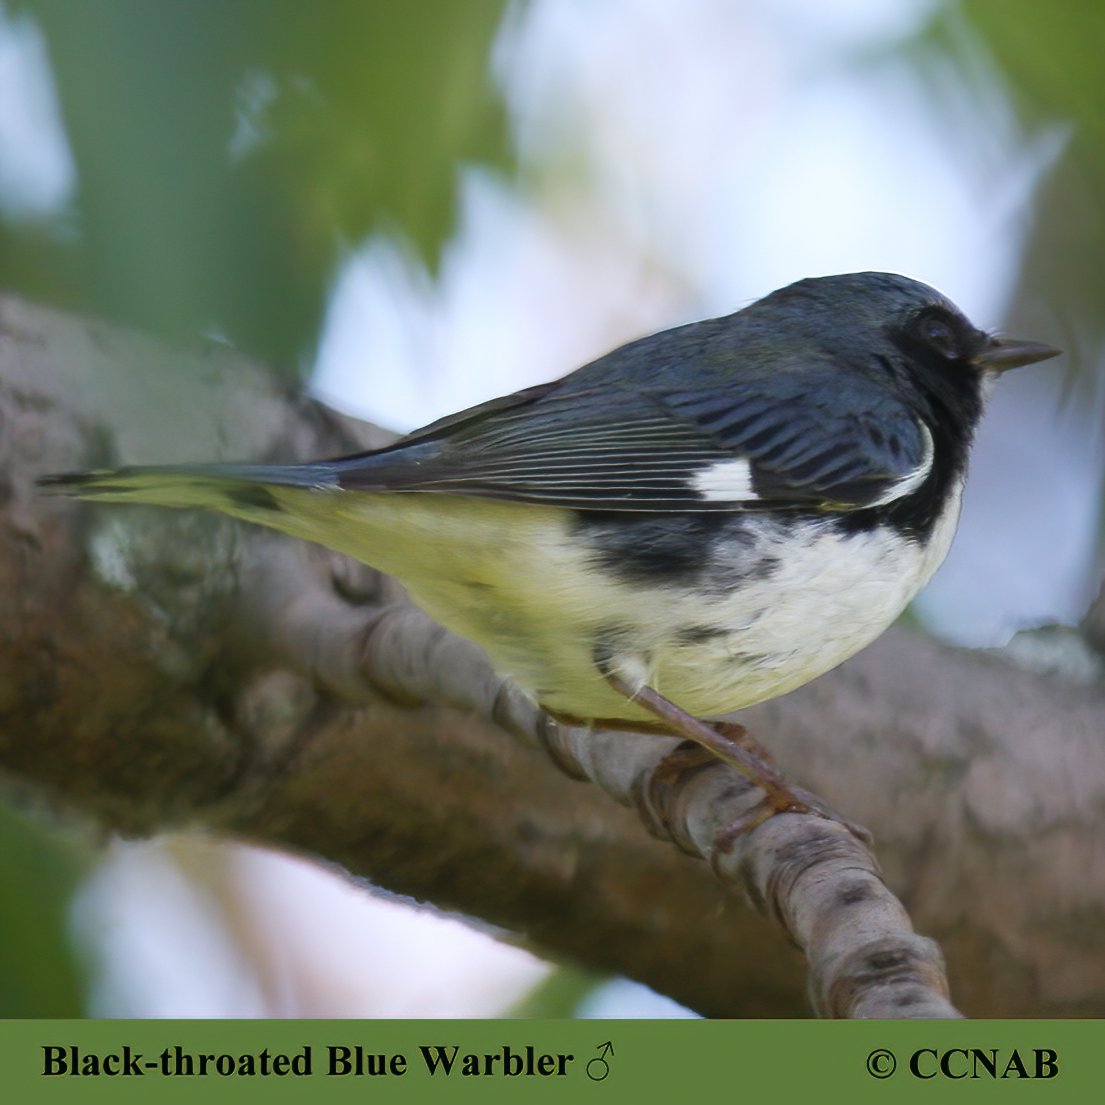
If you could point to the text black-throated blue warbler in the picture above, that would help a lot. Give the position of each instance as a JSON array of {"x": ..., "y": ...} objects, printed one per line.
[{"x": 698, "y": 521}]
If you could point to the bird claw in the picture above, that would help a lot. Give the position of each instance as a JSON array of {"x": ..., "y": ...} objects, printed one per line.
[{"x": 793, "y": 800}]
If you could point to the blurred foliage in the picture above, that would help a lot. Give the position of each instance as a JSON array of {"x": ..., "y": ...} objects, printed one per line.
[
  {"x": 39, "y": 870},
  {"x": 227, "y": 150},
  {"x": 1050, "y": 58}
]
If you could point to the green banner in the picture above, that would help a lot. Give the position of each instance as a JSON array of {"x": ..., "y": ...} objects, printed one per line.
[{"x": 598, "y": 1061}]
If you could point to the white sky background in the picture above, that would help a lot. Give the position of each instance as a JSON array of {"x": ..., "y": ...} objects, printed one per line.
[{"x": 679, "y": 160}]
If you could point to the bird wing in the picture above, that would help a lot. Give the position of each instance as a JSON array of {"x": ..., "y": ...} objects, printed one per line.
[{"x": 799, "y": 441}]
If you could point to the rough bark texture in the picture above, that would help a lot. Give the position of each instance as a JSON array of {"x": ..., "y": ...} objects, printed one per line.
[{"x": 165, "y": 669}]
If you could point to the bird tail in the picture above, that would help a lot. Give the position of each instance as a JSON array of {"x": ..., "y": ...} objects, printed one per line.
[{"x": 234, "y": 488}]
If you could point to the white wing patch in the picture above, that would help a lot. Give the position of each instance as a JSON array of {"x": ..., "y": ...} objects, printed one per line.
[
  {"x": 731, "y": 480},
  {"x": 725, "y": 481},
  {"x": 911, "y": 480}
]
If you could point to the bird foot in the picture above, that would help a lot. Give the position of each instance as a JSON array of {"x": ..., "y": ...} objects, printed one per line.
[
  {"x": 792, "y": 799},
  {"x": 731, "y": 743},
  {"x": 786, "y": 797}
]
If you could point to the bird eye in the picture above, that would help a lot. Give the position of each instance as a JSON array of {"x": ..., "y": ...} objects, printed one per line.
[{"x": 938, "y": 333}]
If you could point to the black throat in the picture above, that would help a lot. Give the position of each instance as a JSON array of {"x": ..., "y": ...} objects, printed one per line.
[{"x": 948, "y": 397}]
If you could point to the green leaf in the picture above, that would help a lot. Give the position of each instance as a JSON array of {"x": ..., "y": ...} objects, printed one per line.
[{"x": 228, "y": 152}]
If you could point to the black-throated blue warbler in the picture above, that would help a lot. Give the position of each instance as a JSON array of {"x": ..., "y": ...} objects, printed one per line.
[{"x": 698, "y": 521}]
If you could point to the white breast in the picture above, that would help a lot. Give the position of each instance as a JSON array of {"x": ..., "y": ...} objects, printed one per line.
[{"x": 830, "y": 596}]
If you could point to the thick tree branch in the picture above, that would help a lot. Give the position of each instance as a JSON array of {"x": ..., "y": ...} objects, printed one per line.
[
  {"x": 811, "y": 875},
  {"x": 161, "y": 669}
]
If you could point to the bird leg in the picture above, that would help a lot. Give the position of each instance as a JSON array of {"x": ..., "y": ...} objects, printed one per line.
[{"x": 732, "y": 744}]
